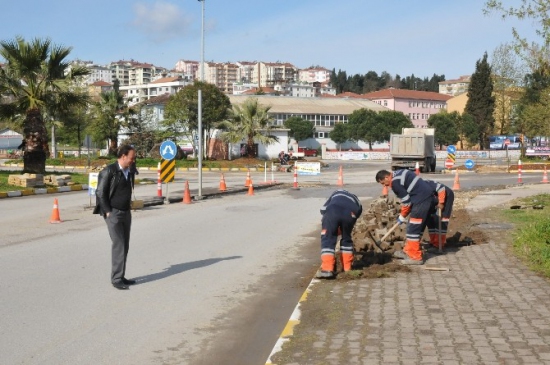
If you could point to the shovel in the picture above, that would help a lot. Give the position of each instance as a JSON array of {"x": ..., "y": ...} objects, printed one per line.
[{"x": 378, "y": 243}]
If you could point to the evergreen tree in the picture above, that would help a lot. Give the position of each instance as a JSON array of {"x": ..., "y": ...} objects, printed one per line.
[{"x": 481, "y": 102}]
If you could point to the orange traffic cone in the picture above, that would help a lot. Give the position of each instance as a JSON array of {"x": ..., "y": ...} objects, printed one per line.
[
  {"x": 250, "y": 189},
  {"x": 187, "y": 194},
  {"x": 385, "y": 191},
  {"x": 55, "y": 213},
  {"x": 456, "y": 185},
  {"x": 545, "y": 176},
  {"x": 248, "y": 182},
  {"x": 340, "y": 181},
  {"x": 222, "y": 184},
  {"x": 417, "y": 169}
]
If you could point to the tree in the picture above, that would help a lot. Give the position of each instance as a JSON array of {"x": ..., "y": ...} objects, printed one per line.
[
  {"x": 538, "y": 12},
  {"x": 110, "y": 114},
  {"x": 182, "y": 111},
  {"x": 536, "y": 116},
  {"x": 300, "y": 129},
  {"x": 364, "y": 125},
  {"x": 481, "y": 102},
  {"x": 391, "y": 121},
  {"x": 250, "y": 122},
  {"x": 445, "y": 128},
  {"x": 339, "y": 133},
  {"x": 36, "y": 80},
  {"x": 466, "y": 128},
  {"x": 508, "y": 73}
]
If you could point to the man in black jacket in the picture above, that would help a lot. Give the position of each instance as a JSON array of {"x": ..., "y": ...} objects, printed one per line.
[{"x": 113, "y": 202}]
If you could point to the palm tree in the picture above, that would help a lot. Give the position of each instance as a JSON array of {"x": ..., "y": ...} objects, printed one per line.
[
  {"x": 36, "y": 80},
  {"x": 111, "y": 114},
  {"x": 249, "y": 122}
]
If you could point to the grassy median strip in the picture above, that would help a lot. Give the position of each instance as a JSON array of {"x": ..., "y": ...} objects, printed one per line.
[{"x": 531, "y": 241}]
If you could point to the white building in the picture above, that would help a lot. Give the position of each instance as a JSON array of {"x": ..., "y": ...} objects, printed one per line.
[
  {"x": 314, "y": 74},
  {"x": 455, "y": 87},
  {"x": 139, "y": 93}
]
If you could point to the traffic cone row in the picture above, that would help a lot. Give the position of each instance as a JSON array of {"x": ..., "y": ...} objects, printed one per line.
[
  {"x": 55, "y": 213},
  {"x": 340, "y": 181},
  {"x": 456, "y": 185}
]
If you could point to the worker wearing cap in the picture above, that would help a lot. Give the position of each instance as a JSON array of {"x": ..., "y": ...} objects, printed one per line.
[
  {"x": 340, "y": 212},
  {"x": 417, "y": 202},
  {"x": 445, "y": 198}
]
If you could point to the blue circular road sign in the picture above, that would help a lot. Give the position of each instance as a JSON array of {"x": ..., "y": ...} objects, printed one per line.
[
  {"x": 168, "y": 150},
  {"x": 469, "y": 164},
  {"x": 451, "y": 149}
]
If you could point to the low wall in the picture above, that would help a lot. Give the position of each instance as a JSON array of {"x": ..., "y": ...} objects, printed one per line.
[{"x": 441, "y": 155}]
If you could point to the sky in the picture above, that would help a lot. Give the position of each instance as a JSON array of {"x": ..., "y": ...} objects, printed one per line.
[{"x": 405, "y": 37}]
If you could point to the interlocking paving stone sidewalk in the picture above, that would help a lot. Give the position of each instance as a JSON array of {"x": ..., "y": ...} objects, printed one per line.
[{"x": 488, "y": 309}]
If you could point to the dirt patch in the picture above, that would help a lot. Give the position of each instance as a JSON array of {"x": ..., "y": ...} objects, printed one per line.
[{"x": 371, "y": 263}]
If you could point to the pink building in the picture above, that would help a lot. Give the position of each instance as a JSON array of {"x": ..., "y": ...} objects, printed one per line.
[{"x": 417, "y": 105}]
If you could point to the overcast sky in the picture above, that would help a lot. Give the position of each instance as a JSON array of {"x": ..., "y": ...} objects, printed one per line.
[{"x": 397, "y": 36}]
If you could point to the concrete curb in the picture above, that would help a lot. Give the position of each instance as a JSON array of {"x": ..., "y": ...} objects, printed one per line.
[
  {"x": 40, "y": 191},
  {"x": 294, "y": 320}
]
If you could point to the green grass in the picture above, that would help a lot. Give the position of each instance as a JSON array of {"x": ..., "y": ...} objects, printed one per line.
[
  {"x": 4, "y": 175},
  {"x": 531, "y": 240}
]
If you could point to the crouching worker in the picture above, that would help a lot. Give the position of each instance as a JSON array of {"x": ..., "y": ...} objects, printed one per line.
[
  {"x": 418, "y": 202},
  {"x": 340, "y": 212},
  {"x": 445, "y": 197}
]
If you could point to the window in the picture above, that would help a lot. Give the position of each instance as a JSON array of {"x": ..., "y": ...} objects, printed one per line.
[{"x": 385, "y": 103}]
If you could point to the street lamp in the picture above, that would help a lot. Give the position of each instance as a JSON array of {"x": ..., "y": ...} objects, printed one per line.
[{"x": 199, "y": 126}]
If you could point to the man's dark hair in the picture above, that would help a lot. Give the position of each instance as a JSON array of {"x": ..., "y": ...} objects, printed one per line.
[
  {"x": 381, "y": 175},
  {"x": 124, "y": 150}
]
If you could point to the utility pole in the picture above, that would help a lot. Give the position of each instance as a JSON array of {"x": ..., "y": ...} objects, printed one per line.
[{"x": 200, "y": 102}]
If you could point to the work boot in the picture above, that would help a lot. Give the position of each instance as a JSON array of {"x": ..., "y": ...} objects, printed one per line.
[
  {"x": 321, "y": 274},
  {"x": 412, "y": 262},
  {"x": 408, "y": 261},
  {"x": 399, "y": 255},
  {"x": 347, "y": 260}
]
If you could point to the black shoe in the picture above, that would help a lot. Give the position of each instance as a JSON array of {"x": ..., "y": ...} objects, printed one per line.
[
  {"x": 128, "y": 282},
  {"x": 121, "y": 285}
]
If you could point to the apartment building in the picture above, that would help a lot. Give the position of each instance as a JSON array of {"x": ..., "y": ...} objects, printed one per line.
[
  {"x": 269, "y": 74},
  {"x": 417, "y": 105},
  {"x": 223, "y": 75},
  {"x": 306, "y": 89},
  {"x": 314, "y": 74},
  {"x": 455, "y": 87},
  {"x": 135, "y": 73},
  {"x": 188, "y": 68},
  {"x": 139, "y": 93},
  {"x": 246, "y": 71},
  {"x": 97, "y": 88}
]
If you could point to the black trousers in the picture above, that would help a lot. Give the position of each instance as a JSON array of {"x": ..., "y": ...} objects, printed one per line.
[
  {"x": 334, "y": 217},
  {"x": 118, "y": 224}
]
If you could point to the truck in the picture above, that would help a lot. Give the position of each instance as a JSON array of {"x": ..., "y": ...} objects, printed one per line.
[
  {"x": 304, "y": 152},
  {"x": 411, "y": 146}
]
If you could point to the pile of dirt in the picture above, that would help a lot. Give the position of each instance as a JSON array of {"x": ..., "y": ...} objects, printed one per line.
[{"x": 371, "y": 262}]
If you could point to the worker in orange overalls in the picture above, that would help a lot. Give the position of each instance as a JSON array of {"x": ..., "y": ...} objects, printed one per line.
[
  {"x": 340, "y": 212},
  {"x": 418, "y": 203},
  {"x": 445, "y": 198}
]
